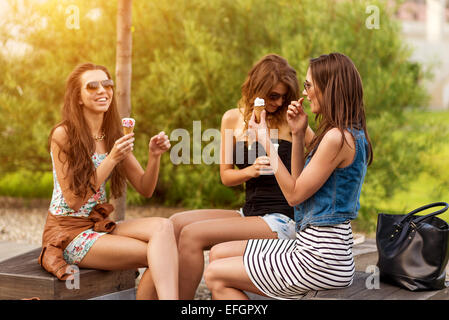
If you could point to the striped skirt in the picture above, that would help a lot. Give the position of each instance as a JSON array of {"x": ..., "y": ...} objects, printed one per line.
[{"x": 319, "y": 258}]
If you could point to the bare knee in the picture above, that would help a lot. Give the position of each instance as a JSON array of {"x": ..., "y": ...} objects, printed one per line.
[
  {"x": 178, "y": 223},
  {"x": 212, "y": 277},
  {"x": 217, "y": 252},
  {"x": 165, "y": 226},
  {"x": 191, "y": 239}
]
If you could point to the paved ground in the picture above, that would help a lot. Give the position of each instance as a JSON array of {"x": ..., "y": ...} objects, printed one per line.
[{"x": 10, "y": 249}]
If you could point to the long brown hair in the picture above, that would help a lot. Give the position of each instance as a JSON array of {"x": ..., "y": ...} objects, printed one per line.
[
  {"x": 340, "y": 96},
  {"x": 80, "y": 145},
  {"x": 261, "y": 79}
]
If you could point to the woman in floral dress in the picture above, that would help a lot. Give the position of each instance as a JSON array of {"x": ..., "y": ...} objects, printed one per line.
[{"x": 88, "y": 149}]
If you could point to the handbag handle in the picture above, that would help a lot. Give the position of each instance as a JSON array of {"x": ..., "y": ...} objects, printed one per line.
[{"x": 436, "y": 204}]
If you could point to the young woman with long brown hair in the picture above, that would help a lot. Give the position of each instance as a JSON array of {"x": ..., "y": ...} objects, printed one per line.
[
  {"x": 324, "y": 186},
  {"x": 87, "y": 149},
  {"x": 265, "y": 213}
]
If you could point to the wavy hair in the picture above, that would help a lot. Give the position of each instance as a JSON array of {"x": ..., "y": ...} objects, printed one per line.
[
  {"x": 80, "y": 145},
  {"x": 261, "y": 79},
  {"x": 340, "y": 96}
]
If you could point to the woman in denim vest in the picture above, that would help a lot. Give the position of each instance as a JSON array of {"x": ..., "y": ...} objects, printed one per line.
[{"x": 324, "y": 187}]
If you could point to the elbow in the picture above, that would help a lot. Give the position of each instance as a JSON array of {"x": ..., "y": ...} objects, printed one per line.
[
  {"x": 229, "y": 183},
  {"x": 148, "y": 194},
  {"x": 226, "y": 183},
  {"x": 292, "y": 202}
]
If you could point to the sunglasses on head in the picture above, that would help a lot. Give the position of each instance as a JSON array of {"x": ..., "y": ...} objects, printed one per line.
[{"x": 94, "y": 85}]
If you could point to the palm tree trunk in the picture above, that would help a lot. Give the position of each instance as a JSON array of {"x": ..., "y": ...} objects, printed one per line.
[{"x": 123, "y": 79}]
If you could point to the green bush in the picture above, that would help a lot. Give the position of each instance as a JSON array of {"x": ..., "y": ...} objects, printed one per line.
[
  {"x": 189, "y": 61},
  {"x": 27, "y": 184}
]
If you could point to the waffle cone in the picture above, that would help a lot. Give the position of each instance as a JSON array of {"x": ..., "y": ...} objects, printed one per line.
[
  {"x": 128, "y": 130},
  {"x": 258, "y": 111}
]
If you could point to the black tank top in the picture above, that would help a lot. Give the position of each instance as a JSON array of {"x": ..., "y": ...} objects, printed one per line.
[{"x": 263, "y": 194}]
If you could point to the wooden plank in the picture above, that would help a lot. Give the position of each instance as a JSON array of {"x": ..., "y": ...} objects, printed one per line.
[
  {"x": 24, "y": 287},
  {"x": 384, "y": 290},
  {"x": 404, "y": 294},
  {"x": 440, "y": 294},
  {"x": 95, "y": 283},
  {"x": 129, "y": 294},
  {"x": 22, "y": 277}
]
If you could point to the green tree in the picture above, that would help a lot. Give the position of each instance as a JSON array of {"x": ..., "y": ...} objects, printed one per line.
[{"x": 189, "y": 61}]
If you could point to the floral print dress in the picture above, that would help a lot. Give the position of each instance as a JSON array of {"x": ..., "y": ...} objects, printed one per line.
[{"x": 80, "y": 245}]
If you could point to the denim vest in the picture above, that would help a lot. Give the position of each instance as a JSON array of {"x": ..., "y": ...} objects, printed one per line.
[{"x": 338, "y": 199}]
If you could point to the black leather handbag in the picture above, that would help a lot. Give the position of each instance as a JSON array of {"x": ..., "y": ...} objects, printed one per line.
[{"x": 413, "y": 250}]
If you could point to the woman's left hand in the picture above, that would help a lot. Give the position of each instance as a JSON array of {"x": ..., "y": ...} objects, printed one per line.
[{"x": 159, "y": 144}]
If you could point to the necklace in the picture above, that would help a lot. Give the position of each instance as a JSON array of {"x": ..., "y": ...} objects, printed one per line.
[{"x": 99, "y": 137}]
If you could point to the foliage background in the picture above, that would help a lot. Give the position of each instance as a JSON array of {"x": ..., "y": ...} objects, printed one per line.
[{"x": 190, "y": 58}]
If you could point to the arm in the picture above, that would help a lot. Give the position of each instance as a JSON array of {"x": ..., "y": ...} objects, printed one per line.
[
  {"x": 145, "y": 181},
  {"x": 309, "y": 136},
  {"x": 229, "y": 175},
  {"x": 121, "y": 148},
  {"x": 298, "y": 139},
  {"x": 327, "y": 157},
  {"x": 298, "y": 142},
  {"x": 297, "y": 162}
]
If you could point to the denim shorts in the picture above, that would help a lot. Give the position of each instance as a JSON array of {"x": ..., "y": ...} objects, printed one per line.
[{"x": 284, "y": 227}]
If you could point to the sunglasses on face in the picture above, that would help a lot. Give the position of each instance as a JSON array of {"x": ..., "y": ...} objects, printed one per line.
[
  {"x": 275, "y": 96},
  {"x": 94, "y": 85},
  {"x": 307, "y": 85}
]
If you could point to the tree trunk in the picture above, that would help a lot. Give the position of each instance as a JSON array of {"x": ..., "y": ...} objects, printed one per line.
[{"x": 123, "y": 79}]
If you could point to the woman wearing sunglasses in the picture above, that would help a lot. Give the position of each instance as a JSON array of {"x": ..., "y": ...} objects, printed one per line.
[
  {"x": 88, "y": 149},
  {"x": 324, "y": 187},
  {"x": 265, "y": 213}
]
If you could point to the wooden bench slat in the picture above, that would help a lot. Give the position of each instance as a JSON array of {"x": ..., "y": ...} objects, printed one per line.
[
  {"x": 375, "y": 294},
  {"x": 22, "y": 277}
]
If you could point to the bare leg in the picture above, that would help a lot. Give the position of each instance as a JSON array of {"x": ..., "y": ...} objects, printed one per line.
[
  {"x": 146, "y": 290},
  {"x": 182, "y": 219},
  {"x": 139, "y": 243},
  {"x": 227, "y": 250},
  {"x": 226, "y": 277},
  {"x": 201, "y": 235}
]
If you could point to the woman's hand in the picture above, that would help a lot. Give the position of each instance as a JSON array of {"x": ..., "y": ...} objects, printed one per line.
[
  {"x": 296, "y": 117},
  {"x": 122, "y": 148},
  {"x": 261, "y": 166},
  {"x": 159, "y": 144},
  {"x": 259, "y": 130}
]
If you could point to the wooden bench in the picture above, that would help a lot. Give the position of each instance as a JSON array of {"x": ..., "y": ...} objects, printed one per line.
[
  {"x": 365, "y": 255},
  {"x": 359, "y": 291},
  {"x": 22, "y": 277}
]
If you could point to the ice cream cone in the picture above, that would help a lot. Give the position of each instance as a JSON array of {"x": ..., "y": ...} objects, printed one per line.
[
  {"x": 257, "y": 112},
  {"x": 259, "y": 105},
  {"x": 128, "y": 125}
]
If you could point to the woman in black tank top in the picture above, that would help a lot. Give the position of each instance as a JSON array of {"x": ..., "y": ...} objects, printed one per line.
[
  {"x": 263, "y": 194},
  {"x": 265, "y": 213}
]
